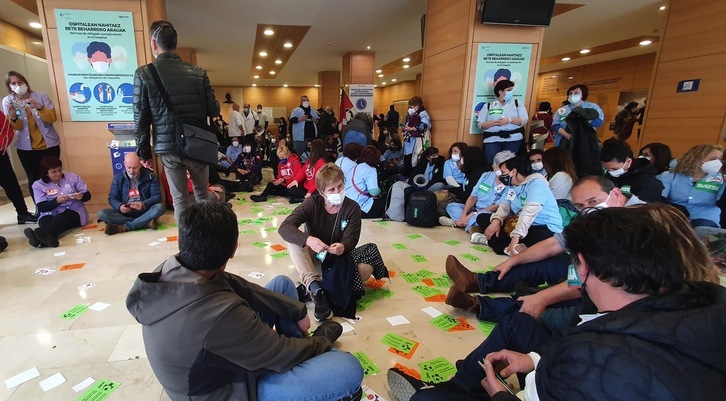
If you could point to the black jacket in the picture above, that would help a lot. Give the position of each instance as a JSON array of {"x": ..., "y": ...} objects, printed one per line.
[
  {"x": 584, "y": 145},
  {"x": 190, "y": 92},
  {"x": 438, "y": 173},
  {"x": 664, "y": 347},
  {"x": 361, "y": 125},
  {"x": 640, "y": 181}
]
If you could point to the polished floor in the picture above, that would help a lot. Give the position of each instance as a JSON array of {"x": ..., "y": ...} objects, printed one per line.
[{"x": 107, "y": 344}]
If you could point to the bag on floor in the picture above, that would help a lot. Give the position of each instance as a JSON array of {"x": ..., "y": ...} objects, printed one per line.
[
  {"x": 422, "y": 209},
  {"x": 396, "y": 201}
]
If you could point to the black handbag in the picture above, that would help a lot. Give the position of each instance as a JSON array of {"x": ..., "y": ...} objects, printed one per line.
[{"x": 198, "y": 143}]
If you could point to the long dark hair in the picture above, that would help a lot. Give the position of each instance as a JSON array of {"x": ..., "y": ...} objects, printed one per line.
[
  {"x": 317, "y": 151},
  {"x": 558, "y": 159}
]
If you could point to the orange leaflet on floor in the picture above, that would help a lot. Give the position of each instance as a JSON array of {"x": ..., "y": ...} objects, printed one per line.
[
  {"x": 391, "y": 274},
  {"x": 436, "y": 298},
  {"x": 408, "y": 371},
  {"x": 278, "y": 248},
  {"x": 375, "y": 284},
  {"x": 403, "y": 354},
  {"x": 428, "y": 282},
  {"x": 89, "y": 227},
  {"x": 74, "y": 266},
  {"x": 172, "y": 238},
  {"x": 463, "y": 326}
]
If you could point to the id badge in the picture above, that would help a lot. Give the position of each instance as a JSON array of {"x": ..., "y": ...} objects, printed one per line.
[
  {"x": 573, "y": 279},
  {"x": 321, "y": 255}
]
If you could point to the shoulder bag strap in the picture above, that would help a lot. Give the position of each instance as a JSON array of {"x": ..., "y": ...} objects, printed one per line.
[
  {"x": 162, "y": 89},
  {"x": 352, "y": 180}
]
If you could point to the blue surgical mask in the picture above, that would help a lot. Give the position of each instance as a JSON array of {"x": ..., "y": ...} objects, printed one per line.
[
  {"x": 508, "y": 95},
  {"x": 575, "y": 98},
  {"x": 283, "y": 161}
]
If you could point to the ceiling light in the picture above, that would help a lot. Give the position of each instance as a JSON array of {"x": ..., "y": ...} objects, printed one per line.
[
  {"x": 405, "y": 66},
  {"x": 380, "y": 75},
  {"x": 284, "y": 86},
  {"x": 553, "y": 76},
  {"x": 406, "y": 59},
  {"x": 375, "y": 86},
  {"x": 35, "y": 25},
  {"x": 383, "y": 83},
  {"x": 368, "y": 47},
  {"x": 278, "y": 61},
  {"x": 394, "y": 80},
  {"x": 565, "y": 59},
  {"x": 316, "y": 85},
  {"x": 256, "y": 76},
  {"x": 254, "y": 84},
  {"x": 269, "y": 32},
  {"x": 645, "y": 42},
  {"x": 263, "y": 54},
  {"x": 662, "y": 8},
  {"x": 287, "y": 45},
  {"x": 584, "y": 51},
  {"x": 37, "y": 43},
  {"x": 272, "y": 72},
  {"x": 378, "y": 71},
  {"x": 259, "y": 67},
  {"x": 570, "y": 77}
]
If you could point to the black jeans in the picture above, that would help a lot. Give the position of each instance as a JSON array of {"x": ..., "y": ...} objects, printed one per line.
[
  {"x": 30, "y": 159},
  {"x": 9, "y": 182},
  {"x": 282, "y": 190},
  {"x": 501, "y": 242},
  {"x": 60, "y": 223},
  {"x": 376, "y": 211}
]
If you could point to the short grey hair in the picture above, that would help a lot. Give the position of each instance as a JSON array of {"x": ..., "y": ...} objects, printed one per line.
[{"x": 503, "y": 156}]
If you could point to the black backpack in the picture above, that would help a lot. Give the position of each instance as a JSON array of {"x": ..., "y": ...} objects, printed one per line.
[{"x": 421, "y": 209}]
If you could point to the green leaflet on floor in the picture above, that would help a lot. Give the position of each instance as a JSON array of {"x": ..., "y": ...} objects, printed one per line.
[
  {"x": 486, "y": 327},
  {"x": 425, "y": 291},
  {"x": 480, "y": 248},
  {"x": 452, "y": 242},
  {"x": 470, "y": 257},
  {"x": 436, "y": 370},
  {"x": 279, "y": 255},
  {"x": 259, "y": 244},
  {"x": 369, "y": 367},
  {"x": 74, "y": 312},
  {"x": 414, "y": 236},
  {"x": 411, "y": 278},
  {"x": 100, "y": 390},
  {"x": 402, "y": 344},
  {"x": 444, "y": 281},
  {"x": 247, "y": 232},
  {"x": 270, "y": 229},
  {"x": 244, "y": 221},
  {"x": 419, "y": 258},
  {"x": 257, "y": 210},
  {"x": 423, "y": 273},
  {"x": 399, "y": 246},
  {"x": 444, "y": 322}
]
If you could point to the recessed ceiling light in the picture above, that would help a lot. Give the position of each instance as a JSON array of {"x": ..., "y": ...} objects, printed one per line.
[
  {"x": 316, "y": 85},
  {"x": 272, "y": 72},
  {"x": 287, "y": 45},
  {"x": 570, "y": 77},
  {"x": 662, "y": 8},
  {"x": 263, "y": 54},
  {"x": 584, "y": 51},
  {"x": 368, "y": 47},
  {"x": 278, "y": 61},
  {"x": 255, "y": 76},
  {"x": 406, "y": 59},
  {"x": 405, "y": 66},
  {"x": 378, "y": 71},
  {"x": 380, "y": 75},
  {"x": 645, "y": 42},
  {"x": 375, "y": 86},
  {"x": 35, "y": 25},
  {"x": 565, "y": 59},
  {"x": 383, "y": 83},
  {"x": 254, "y": 84},
  {"x": 394, "y": 80},
  {"x": 269, "y": 32},
  {"x": 259, "y": 67},
  {"x": 37, "y": 43},
  {"x": 284, "y": 86},
  {"x": 553, "y": 76}
]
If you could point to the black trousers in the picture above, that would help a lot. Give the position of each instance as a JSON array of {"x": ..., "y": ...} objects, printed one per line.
[
  {"x": 30, "y": 159},
  {"x": 9, "y": 182},
  {"x": 282, "y": 190},
  {"x": 500, "y": 243},
  {"x": 376, "y": 211},
  {"x": 58, "y": 224}
]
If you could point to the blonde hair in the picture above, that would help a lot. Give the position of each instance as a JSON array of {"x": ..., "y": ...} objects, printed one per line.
[
  {"x": 328, "y": 174},
  {"x": 693, "y": 159},
  {"x": 282, "y": 150}
]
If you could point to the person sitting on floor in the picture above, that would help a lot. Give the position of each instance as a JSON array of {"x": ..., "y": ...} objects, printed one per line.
[
  {"x": 317, "y": 159},
  {"x": 135, "y": 199},
  {"x": 289, "y": 170},
  {"x": 233, "y": 152},
  {"x": 209, "y": 333},
  {"x": 363, "y": 183},
  {"x": 60, "y": 198},
  {"x": 248, "y": 168},
  {"x": 332, "y": 230},
  {"x": 631, "y": 175},
  {"x": 429, "y": 173}
]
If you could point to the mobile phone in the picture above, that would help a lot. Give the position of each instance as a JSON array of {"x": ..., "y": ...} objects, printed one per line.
[{"x": 499, "y": 378}]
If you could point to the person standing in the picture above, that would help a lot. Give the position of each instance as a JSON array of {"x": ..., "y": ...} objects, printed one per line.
[
  {"x": 503, "y": 121},
  {"x": 236, "y": 122},
  {"x": 194, "y": 102},
  {"x": 250, "y": 120},
  {"x": 303, "y": 120},
  {"x": 31, "y": 114},
  {"x": 8, "y": 180},
  {"x": 262, "y": 119},
  {"x": 392, "y": 120}
]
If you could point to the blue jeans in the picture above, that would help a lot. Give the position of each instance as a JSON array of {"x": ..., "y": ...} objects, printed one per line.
[
  {"x": 556, "y": 317},
  {"x": 329, "y": 376},
  {"x": 134, "y": 219},
  {"x": 551, "y": 270},
  {"x": 224, "y": 164},
  {"x": 455, "y": 210},
  {"x": 491, "y": 149}
]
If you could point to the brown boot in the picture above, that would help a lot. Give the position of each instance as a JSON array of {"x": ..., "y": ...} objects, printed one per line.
[
  {"x": 464, "y": 280},
  {"x": 112, "y": 229},
  {"x": 462, "y": 300},
  {"x": 153, "y": 224}
]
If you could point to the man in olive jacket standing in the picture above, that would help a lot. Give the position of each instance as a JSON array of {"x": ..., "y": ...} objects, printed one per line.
[{"x": 193, "y": 100}]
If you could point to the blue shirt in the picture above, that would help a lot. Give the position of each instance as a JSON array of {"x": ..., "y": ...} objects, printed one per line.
[
  {"x": 537, "y": 191},
  {"x": 347, "y": 166},
  {"x": 558, "y": 120},
  {"x": 698, "y": 197},
  {"x": 410, "y": 142},
  {"x": 389, "y": 155},
  {"x": 495, "y": 111},
  {"x": 233, "y": 153},
  {"x": 451, "y": 168},
  {"x": 364, "y": 179},
  {"x": 298, "y": 128},
  {"x": 488, "y": 192}
]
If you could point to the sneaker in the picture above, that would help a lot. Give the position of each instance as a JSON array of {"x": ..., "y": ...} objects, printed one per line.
[
  {"x": 322, "y": 306},
  {"x": 258, "y": 198},
  {"x": 463, "y": 278},
  {"x": 479, "y": 238},
  {"x": 302, "y": 293},
  {"x": 26, "y": 217},
  {"x": 45, "y": 238},
  {"x": 32, "y": 240},
  {"x": 329, "y": 329},
  {"x": 112, "y": 229},
  {"x": 403, "y": 386},
  {"x": 447, "y": 221},
  {"x": 153, "y": 224}
]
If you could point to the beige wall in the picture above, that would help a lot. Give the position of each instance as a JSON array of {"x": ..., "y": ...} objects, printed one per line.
[
  {"x": 20, "y": 40},
  {"x": 384, "y": 96}
]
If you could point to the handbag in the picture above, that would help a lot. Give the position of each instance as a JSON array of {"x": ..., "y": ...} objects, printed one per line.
[{"x": 198, "y": 143}]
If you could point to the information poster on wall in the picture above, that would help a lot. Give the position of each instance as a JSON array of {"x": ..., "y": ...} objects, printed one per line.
[
  {"x": 496, "y": 62},
  {"x": 98, "y": 50},
  {"x": 361, "y": 95}
]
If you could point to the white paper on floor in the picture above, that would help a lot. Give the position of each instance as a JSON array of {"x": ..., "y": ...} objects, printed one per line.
[
  {"x": 52, "y": 382},
  {"x": 83, "y": 240},
  {"x": 83, "y": 385},
  {"x": 44, "y": 271},
  {"x": 163, "y": 239},
  {"x": 347, "y": 327},
  {"x": 256, "y": 275},
  {"x": 155, "y": 243},
  {"x": 21, "y": 378},
  {"x": 99, "y": 306},
  {"x": 397, "y": 320},
  {"x": 86, "y": 286},
  {"x": 59, "y": 254},
  {"x": 369, "y": 394},
  {"x": 431, "y": 311}
]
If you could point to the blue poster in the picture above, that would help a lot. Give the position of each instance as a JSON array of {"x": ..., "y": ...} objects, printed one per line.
[
  {"x": 98, "y": 49},
  {"x": 495, "y": 62}
]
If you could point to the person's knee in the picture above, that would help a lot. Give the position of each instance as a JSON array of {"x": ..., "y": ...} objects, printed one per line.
[
  {"x": 348, "y": 369},
  {"x": 280, "y": 284},
  {"x": 104, "y": 214},
  {"x": 158, "y": 209}
]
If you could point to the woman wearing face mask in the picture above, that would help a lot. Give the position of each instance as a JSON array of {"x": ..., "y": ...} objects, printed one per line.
[
  {"x": 289, "y": 170},
  {"x": 538, "y": 216},
  {"x": 576, "y": 96},
  {"x": 488, "y": 192},
  {"x": 417, "y": 122},
  {"x": 696, "y": 184},
  {"x": 332, "y": 230},
  {"x": 392, "y": 159},
  {"x": 429, "y": 175},
  {"x": 659, "y": 155},
  {"x": 31, "y": 114},
  {"x": 503, "y": 121},
  {"x": 453, "y": 176},
  {"x": 535, "y": 158},
  {"x": 316, "y": 160},
  {"x": 363, "y": 184},
  {"x": 247, "y": 167}
]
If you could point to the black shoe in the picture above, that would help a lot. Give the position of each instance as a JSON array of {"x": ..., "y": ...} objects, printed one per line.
[
  {"x": 322, "y": 306},
  {"x": 45, "y": 238},
  {"x": 329, "y": 329},
  {"x": 302, "y": 293},
  {"x": 258, "y": 198},
  {"x": 3, "y": 244},
  {"x": 32, "y": 240},
  {"x": 296, "y": 200},
  {"x": 403, "y": 386},
  {"x": 26, "y": 217}
]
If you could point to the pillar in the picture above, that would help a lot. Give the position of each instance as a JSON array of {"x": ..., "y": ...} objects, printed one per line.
[
  {"x": 453, "y": 30},
  {"x": 358, "y": 67},
  {"x": 329, "y": 89}
]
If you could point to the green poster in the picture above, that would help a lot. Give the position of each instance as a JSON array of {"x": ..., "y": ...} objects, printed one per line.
[
  {"x": 98, "y": 50},
  {"x": 495, "y": 62}
]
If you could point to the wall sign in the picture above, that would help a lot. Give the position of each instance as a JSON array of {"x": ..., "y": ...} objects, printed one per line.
[{"x": 690, "y": 85}]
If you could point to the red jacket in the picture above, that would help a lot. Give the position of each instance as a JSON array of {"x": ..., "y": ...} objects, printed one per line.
[
  {"x": 291, "y": 171},
  {"x": 310, "y": 172}
]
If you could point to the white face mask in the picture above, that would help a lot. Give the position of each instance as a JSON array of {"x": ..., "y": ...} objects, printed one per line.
[
  {"x": 603, "y": 205},
  {"x": 575, "y": 98},
  {"x": 235, "y": 143},
  {"x": 100, "y": 66},
  {"x": 537, "y": 166},
  {"x": 259, "y": 110},
  {"x": 411, "y": 110},
  {"x": 20, "y": 89},
  {"x": 617, "y": 173},
  {"x": 335, "y": 199},
  {"x": 498, "y": 173},
  {"x": 456, "y": 157},
  {"x": 306, "y": 104},
  {"x": 247, "y": 149},
  {"x": 712, "y": 167}
]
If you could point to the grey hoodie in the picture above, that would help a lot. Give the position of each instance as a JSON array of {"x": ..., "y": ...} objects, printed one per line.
[{"x": 203, "y": 337}]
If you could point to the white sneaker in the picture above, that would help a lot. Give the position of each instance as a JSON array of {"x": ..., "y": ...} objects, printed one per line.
[
  {"x": 447, "y": 221},
  {"x": 479, "y": 238}
]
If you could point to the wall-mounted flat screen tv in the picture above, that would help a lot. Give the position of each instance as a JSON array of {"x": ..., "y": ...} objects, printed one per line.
[{"x": 518, "y": 12}]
